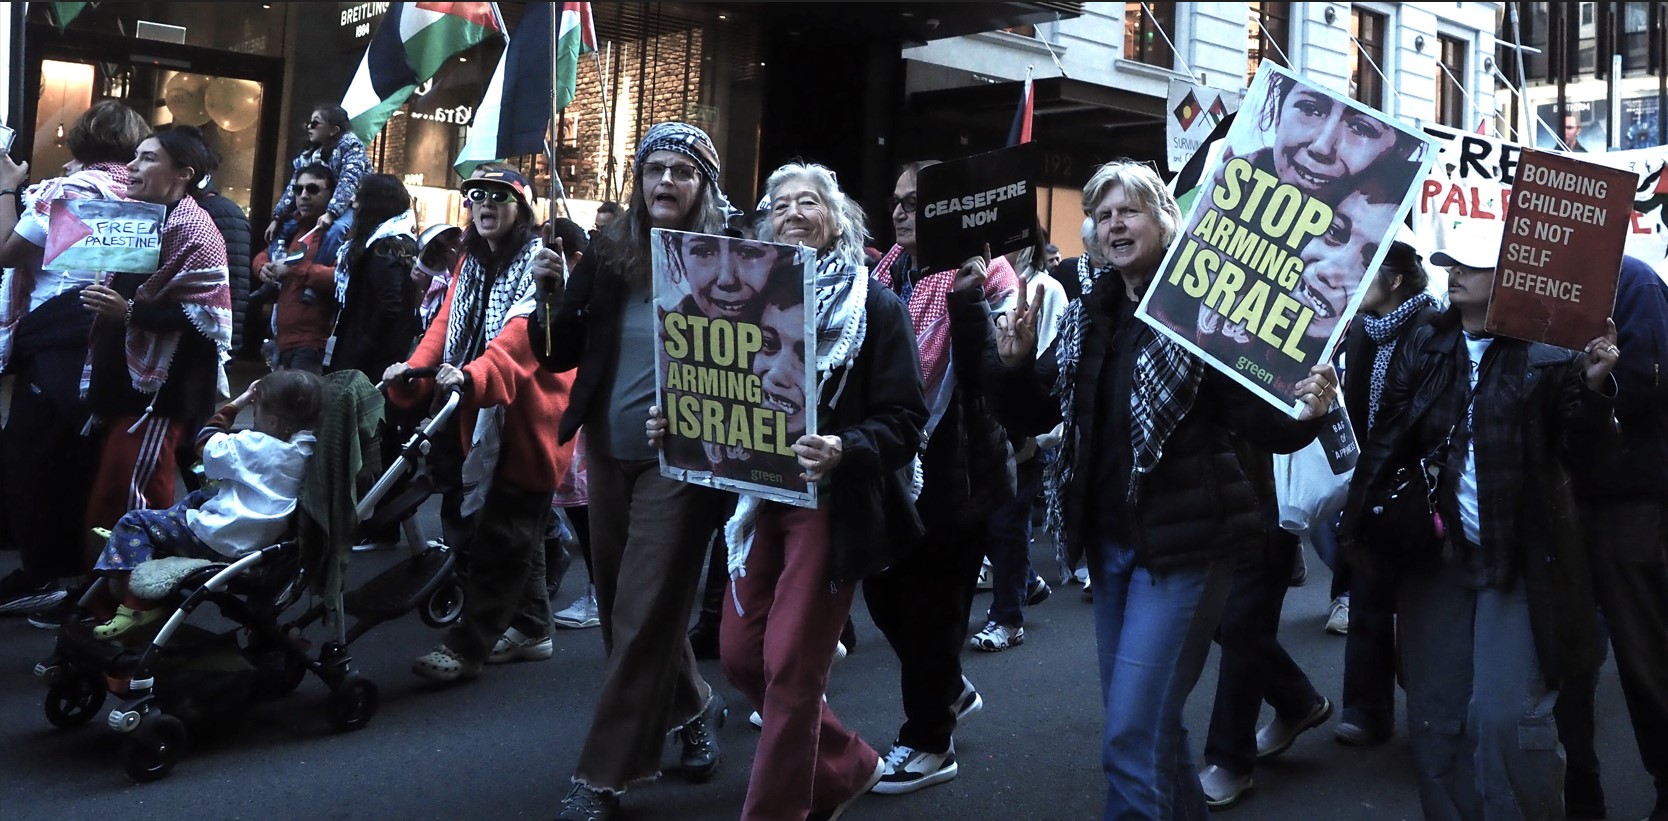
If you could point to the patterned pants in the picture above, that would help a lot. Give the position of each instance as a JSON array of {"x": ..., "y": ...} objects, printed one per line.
[{"x": 141, "y": 535}]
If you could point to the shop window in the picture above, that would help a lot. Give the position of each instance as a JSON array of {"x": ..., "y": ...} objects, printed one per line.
[
  {"x": 1366, "y": 79},
  {"x": 1147, "y": 33},
  {"x": 1267, "y": 36},
  {"x": 1451, "y": 104},
  {"x": 1636, "y": 37}
]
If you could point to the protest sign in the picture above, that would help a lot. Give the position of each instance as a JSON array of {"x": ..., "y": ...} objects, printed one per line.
[
  {"x": 1561, "y": 256},
  {"x": 735, "y": 362},
  {"x": 965, "y": 204},
  {"x": 117, "y": 236},
  {"x": 1473, "y": 177},
  {"x": 1272, "y": 258},
  {"x": 1190, "y": 114}
]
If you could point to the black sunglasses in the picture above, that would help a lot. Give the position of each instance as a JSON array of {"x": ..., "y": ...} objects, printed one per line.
[
  {"x": 311, "y": 189},
  {"x": 481, "y": 195},
  {"x": 314, "y": 123}
]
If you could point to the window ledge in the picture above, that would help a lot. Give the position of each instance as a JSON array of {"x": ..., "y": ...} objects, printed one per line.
[
  {"x": 1020, "y": 42},
  {"x": 1141, "y": 69}
]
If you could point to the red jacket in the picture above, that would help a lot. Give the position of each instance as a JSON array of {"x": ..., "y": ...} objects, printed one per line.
[
  {"x": 301, "y": 325},
  {"x": 507, "y": 374}
]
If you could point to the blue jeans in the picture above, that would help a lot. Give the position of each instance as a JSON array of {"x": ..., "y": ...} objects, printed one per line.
[
  {"x": 1152, "y": 632},
  {"x": 1479, "y": 714},
  {"x": 1009, "y": 548}
]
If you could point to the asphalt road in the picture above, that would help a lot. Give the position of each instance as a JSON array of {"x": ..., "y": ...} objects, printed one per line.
[{"x": 503, "y": 746}]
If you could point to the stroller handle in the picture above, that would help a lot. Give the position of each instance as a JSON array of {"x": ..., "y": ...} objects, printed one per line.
[{"x": 367, "y": 504}]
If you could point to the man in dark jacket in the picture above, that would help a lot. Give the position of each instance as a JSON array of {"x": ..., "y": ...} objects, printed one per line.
[
  {"x": 1621, "y": 496},
  {"x": 234, "y": 227},
  {"x": 1495, "y": 614},
  {"x": 922, "y": 602}
]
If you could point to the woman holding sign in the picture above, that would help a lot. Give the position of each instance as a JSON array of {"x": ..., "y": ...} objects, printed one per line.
[
  {"x": 648, "y": 532},
  {"x": 158, "y": 339},
  {"x": 45, "y": 462},
  {"x": 1161, "y": 511},
  {"x": 1493, "y": 608},
  {"x": 794, "y": 570}
]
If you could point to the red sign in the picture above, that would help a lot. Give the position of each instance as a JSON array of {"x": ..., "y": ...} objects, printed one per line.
[{"x": 1566, "y": 222}]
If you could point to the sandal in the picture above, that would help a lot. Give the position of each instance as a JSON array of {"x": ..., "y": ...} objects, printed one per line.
[{"x": 125, "y": 621}]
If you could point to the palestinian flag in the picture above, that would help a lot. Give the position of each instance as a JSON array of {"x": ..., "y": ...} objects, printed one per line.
[
  {"x": 516, "y": 111},
  {"x": 409, "y": 46}
]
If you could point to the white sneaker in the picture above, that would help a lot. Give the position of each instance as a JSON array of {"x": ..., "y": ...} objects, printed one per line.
[
  {"x": 997, "y": 637},
  {"x": 516, "y": 646},
  {"x": 1337, "y": 618},
  {"x": 581, "y": 614},
  {"x": 968, "y": 702},
  {"x": 909, "y": 769},
  {"x": 756, "y": 720}
]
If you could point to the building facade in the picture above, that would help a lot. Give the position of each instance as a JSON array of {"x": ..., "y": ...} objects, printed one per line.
[{"x": 1102, "y": 78}]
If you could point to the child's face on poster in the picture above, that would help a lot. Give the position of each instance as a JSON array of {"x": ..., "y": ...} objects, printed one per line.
[
  {"x": 780, "y": 364},
  {"x": 726, "y": 275},
  {"x": 1320, "y": 144},
  {"x": 1335, "y": 262}
]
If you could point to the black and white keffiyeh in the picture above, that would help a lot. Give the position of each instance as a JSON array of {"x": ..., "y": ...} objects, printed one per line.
[
  {"x": 842, "y": 293},
  {"x": 1167, "y": 381},
  {"x": 1384, "y": 332},
  {"x": 480, "y": 310}
]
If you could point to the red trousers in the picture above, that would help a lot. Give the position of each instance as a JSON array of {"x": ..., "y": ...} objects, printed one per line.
[
  {"x": 777, "y": 652},
  {"x": 135, "y": 469}
]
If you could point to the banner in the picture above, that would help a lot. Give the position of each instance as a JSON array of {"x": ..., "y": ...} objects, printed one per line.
[
  {"x": 1272, "y": 258},
  {"x": 1189, "y": 115},
  {"x": 964, "y": 204},
  {"x": 1561, "y": 256},
  {"x": 735, "y": 359},
  {"x": 1473, "y": 177},
  {"x": 117, "y": 236}
]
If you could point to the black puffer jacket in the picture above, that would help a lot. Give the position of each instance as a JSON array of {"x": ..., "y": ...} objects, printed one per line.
[
  {"x": 1533, "y": 414},
  {"x": 234, "y": 226},
  {"x": 1197, "y": 504},
  {"x": 378, "y": 319}
]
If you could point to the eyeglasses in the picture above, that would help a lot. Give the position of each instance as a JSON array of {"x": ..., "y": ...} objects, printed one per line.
[
  {"x": 656, "y": 172},
  {"x": 311, "y": 189},
  {"x": 314, "y": 123},
  {"x": 498, "y": 195},
  {"x": 906, "y": 203}
]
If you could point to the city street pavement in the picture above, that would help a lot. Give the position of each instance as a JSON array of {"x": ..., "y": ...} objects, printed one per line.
[{"x": 504, "y": 745}]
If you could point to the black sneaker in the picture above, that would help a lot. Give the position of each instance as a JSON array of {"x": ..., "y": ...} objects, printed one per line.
[
  {"x": 585, "y": 804},
  {"x": 20, "y": 594},
  {"x": 701, "y": 753}
]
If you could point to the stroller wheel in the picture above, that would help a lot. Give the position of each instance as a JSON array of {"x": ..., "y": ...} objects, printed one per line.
[
  {"x": 444, "y": 605},
  {"x": 74, "y": 701},
  {"x": 153, "y": 748},
  {"x": 353, "y": 703}
]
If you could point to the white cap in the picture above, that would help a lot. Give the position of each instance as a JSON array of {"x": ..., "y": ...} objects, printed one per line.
[{"x": 1473, "y": 244}]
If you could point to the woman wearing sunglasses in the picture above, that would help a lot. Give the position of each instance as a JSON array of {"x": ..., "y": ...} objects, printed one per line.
[
  {"x": 330, "y": 142},
  {"x": 480, "y": 344}
]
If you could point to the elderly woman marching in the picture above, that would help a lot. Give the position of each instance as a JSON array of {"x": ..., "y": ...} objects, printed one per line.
[
  {"x": 648, "y": 532},
  {"x": 794, "y": 570},
  {"x": 1148, "y": 484}
]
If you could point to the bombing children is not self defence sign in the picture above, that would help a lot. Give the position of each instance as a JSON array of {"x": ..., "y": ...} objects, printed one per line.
[{"x": 1566, "y": 224}]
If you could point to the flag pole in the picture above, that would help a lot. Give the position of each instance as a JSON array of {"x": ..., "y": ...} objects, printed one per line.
[
  {"x": 607, "y": 120},
  {"x": 553, "y": 145}
]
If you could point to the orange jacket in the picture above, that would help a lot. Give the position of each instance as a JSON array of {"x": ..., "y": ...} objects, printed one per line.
[
  {"x": 507, "y": 374},
  {"x": 301, "y": 325}
]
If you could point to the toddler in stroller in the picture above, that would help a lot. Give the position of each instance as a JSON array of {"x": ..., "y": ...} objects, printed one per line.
[{"x": 255, "y": 478}]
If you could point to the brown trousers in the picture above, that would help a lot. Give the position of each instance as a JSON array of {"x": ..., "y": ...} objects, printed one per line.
[{"x": 648, "y": 543}]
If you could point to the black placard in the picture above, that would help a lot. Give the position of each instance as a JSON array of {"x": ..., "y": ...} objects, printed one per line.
[{"x": 964, "y": 204}]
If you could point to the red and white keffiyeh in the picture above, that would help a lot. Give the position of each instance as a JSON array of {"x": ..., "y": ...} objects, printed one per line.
[{"x": 929, "y": 308}]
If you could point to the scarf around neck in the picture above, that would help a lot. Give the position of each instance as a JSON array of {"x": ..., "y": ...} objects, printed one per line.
[
  {"x": 1167, "y": 380},
  {"x": 480, "y": 309},
  {"x": 402, "y": 225},
  {"x": 1384, "y": 331},
  {"x": 927, "y": 300},
  {"x": 842, "y": 293}
]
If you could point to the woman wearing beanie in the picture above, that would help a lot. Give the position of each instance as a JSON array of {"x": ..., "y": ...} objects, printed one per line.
[{"x": 648, "y": 532}]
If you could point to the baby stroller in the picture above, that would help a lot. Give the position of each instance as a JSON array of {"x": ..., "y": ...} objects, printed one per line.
[{"x": 188, "y": 676}]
